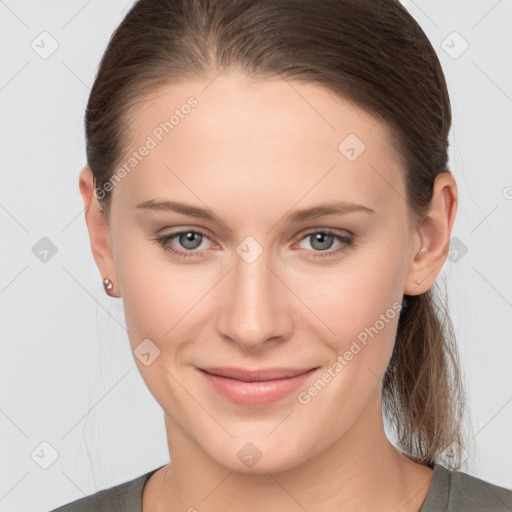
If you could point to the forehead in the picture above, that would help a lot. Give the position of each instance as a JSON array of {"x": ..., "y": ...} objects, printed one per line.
[{"x": 234, "y": 134}]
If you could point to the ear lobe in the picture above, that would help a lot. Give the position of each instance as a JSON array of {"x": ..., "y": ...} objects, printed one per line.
[
  {"x": 434, "y": 236},
  {"x": 97, "y": 226}
]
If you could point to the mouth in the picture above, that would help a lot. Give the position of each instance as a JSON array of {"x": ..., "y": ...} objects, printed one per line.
[{"x": 255, "y": 387}]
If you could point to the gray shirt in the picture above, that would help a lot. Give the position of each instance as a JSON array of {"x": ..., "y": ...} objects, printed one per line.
[{"x": 449, "y": 491}]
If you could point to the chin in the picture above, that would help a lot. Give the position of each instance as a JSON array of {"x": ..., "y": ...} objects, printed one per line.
[{"x": 260, "y": 456}]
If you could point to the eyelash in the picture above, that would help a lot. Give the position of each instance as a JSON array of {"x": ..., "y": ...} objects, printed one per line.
[{"x": 163, "y": 241}]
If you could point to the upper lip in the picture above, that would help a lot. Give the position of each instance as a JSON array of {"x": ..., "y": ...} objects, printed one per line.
[{"x": 256, "y": 375}]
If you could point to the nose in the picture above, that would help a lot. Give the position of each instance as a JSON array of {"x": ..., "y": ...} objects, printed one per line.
[{"x": 255, "y": 309}]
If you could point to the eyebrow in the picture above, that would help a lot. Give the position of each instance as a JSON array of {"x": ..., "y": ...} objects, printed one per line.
[{"x": 331, "y": 208}]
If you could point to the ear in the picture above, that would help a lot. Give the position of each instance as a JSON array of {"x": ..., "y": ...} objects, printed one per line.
[
  {"x": 97, "y": 226},
  {"x": 432, "y": 236}
]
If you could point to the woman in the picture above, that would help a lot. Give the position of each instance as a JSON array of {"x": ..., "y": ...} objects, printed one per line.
[{"x": 267, "y": 190}]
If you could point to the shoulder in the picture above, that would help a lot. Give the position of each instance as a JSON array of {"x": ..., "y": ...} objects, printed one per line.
[
  {"x": 125, "y": 497},
  {"x": 455, "y": 491},
  {"x": 476, "y": 494}
]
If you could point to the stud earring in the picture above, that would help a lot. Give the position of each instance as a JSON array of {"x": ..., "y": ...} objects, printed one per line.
[{"x": 108, "y": 285}]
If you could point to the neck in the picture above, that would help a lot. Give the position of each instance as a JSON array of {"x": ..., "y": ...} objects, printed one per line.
[{"x": 361, "y": 471}]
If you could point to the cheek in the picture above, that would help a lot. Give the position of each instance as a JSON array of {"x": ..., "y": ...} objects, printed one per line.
[
  {"x": 152, "y": 293},
  {"x": 158, "y": 301},
  {"x": 355, "y": 308},
  {"x": 163, "y": 301},
  {"x": 351, "y": 296}
]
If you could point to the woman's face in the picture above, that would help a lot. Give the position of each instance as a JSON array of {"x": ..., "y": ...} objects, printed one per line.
[{"x": 266, "y": 280}]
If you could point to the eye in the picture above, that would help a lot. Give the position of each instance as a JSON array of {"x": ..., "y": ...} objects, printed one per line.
[
  {"x": 323, "y": 240},
  {"x": 190, "y": 240}
]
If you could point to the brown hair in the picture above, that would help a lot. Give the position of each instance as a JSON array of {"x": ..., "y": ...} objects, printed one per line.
[{"x": 371, "y": 52}]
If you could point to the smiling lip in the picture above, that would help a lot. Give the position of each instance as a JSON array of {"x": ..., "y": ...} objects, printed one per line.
[{"x": 255, "y": 387}]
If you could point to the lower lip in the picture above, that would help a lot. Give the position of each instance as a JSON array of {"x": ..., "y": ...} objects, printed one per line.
[{"x": 255, "y": 393}]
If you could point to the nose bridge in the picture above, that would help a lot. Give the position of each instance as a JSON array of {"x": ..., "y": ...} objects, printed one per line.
[{"x": 255, "y": 307}]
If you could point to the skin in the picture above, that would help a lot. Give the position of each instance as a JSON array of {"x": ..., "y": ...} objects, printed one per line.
[{"x": 252, "y": 152}]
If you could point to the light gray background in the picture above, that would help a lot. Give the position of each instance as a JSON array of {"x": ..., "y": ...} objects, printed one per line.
[{"x": 67, "y": 375}]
